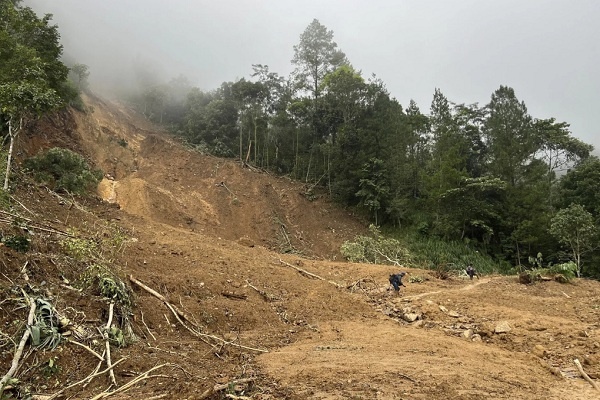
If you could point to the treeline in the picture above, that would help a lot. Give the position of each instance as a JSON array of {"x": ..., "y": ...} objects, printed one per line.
[{"x": 492, "y": 175}]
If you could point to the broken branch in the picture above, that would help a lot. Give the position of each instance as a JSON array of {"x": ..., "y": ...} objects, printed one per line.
[
  {"x": 19, "y": 352},
  {"x": 584, "y": 375},
  {"x": 309, "y": 274}
]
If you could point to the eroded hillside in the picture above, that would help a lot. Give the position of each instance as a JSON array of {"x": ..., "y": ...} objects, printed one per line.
[{"x": 253, "y": 265}]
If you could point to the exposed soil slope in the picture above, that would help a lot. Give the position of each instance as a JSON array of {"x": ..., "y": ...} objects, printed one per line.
[{"x": 210, "y": 236}]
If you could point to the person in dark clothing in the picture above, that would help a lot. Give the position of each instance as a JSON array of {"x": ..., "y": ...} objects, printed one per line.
[
  {"x": 471, "y": 272},
  {"x": 396, "y": 281}
]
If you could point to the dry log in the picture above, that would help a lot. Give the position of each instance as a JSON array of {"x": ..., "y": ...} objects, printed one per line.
[
  {"x": 19, "y": 352},
  {"x": 159, "y": 296},
  {"x": 107, "y": 343},
  {"x": 233, "y": 295},
  {"x": 309, "y": 274},
  {"x": 268, "y": 297},
  {"x": 584, "y": 375}
]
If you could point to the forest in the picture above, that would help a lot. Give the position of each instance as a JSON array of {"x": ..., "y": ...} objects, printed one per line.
[{"x": 492, "y": 177}]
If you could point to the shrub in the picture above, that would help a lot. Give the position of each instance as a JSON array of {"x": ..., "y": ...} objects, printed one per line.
[
  {"x": 375, "y": 249},
  {"x": 18, "y": 243},
  {"x": 63, "y": 169}
]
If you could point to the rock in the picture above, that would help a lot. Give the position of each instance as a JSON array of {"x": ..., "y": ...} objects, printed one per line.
[
  {"x": 418, "y": 323},
  {"x": 476, "y": 338},
  {"x": 453, "y": 314},
  {"x": 502, "y": 327},
  {"x": 540, "y": 351},
  {"x": 411, "y": 317},
  {"x": 592, "y": 359},
  {"x": 468, "y": 334},
  {"x": 443, "y": 309}
]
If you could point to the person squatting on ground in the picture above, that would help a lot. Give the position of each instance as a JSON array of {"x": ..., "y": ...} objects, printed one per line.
[
  {"x": 471, "y": 272},
  {"x": 396, "y": 281}
]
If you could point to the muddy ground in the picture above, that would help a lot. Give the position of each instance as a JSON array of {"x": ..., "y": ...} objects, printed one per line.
[{"x": 230, "y": 247}]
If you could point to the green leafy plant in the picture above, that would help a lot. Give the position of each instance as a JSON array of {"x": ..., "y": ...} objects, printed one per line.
[
  {"x": 79, "y": 248},
  {"x": 51, "y": 367},
  {"x": 18, "y": 243},
  {"x": 63, "y": 169},
  {"x": 45, "y": 332}
]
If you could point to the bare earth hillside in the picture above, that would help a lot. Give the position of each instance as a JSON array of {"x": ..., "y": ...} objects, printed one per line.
[{"x": 253, "y": 264}]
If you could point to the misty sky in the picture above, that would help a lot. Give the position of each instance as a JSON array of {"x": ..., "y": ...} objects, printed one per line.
[{"x": 547, "y": 50}]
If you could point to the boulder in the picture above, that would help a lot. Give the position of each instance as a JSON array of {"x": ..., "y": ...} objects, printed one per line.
[{"x": 502, "y": 327}]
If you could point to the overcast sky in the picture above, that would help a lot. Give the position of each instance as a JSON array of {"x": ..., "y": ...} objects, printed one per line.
[{"x": 547, "y": 50}]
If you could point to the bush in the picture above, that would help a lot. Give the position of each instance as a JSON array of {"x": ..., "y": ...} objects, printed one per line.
[
  {"x": 64, "y": 170},
  {"x": 375, "y": 249}
]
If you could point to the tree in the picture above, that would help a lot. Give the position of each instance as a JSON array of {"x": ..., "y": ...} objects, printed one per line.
[
  {"x": 315, "y": 56},
  {"x": 81, "y": 72},
  {"x": 31, "y": 73},
  {"x": 373, "y": 187},
  {"x": 556, "y": 146},
  {"x": 574, "y": 227},
  {"x": 581, "y": 185},
  {"x": 509, "y": 134}
]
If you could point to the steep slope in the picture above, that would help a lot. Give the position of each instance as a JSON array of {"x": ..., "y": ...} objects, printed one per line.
[{"x": 231, "y": 248}]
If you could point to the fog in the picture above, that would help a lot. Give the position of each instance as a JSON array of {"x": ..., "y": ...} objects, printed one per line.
[{"x": 546, "y": 50}]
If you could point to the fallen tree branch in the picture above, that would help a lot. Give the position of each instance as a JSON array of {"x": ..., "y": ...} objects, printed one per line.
[
  {"x": 309, "y": 274},
  {"x": 86, "y": 347},
  {"x": 148, "y": 329},
  {"x": 233, "y": 295},
  {"x": 584, "y": 375},
  {"x": 268, "y": 297},
  {"x": 161, "y": 298},
  {"x": 181, "y": 317},
  {"x": 19, "y": 352},
  {"x": 107, "y": 342},
  {"x": 90, "y": 377},
  {"x": 130, "y": 384}
]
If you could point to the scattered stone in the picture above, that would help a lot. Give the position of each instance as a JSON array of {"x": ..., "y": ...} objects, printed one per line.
[
  {"x": 453, "y": 314},
  {"x": 468, "y": 334},
  {"x": 476, "y": 338},
  {"x": 540, "y": 351},
  {"x": 419, "y": 323},
  {"x": 443, "y": 309},
  {"x": 502, "y": 327},
  {"x": 591, "y": 359},
  {"x": 411, "y": 317}
]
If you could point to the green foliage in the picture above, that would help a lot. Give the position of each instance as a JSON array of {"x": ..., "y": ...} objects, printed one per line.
[
  {"x": 108, "y": 284},
  {"x": 4, "y": 197},
  {"x": 18, "y": 243},
  {"x": 45, "y": 332},
  {"x": 375, "y": 249},
  {"x": 64, "y": 169},
  {"x": 79, "y": 248},
  {"x": 433, "y": 252},
  {"x": 574, "y": 227},
  {"x": 51, "y": 367},
  {"x": 568, "y": 270}
]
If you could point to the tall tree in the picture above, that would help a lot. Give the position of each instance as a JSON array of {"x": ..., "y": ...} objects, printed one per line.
[
  {"x": 509, "y": 135},
  {"x": 32, "y": 76},
  {"x": 315, "y": 56}
]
